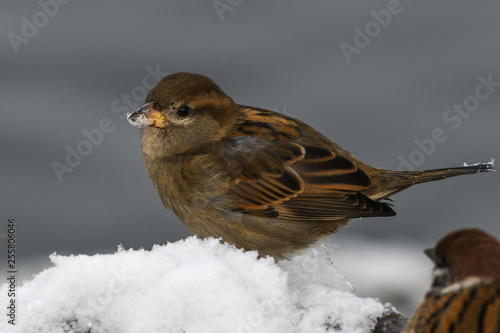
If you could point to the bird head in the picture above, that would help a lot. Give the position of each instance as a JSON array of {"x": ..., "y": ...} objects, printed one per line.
[
  {"x": 464, "y": 256},
  {"x": 184, "y": 112}
]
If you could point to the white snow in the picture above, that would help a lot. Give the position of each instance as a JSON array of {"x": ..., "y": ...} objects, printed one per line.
[
  {"x": 491, "y": 163},
  {"x": 139, "y": 121},
  {"x": 395, "y": 270},
  {"x": 191, "y": 286}
]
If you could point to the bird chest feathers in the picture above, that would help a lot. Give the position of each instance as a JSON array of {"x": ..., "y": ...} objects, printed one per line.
[{"x": 188, "y": 181}]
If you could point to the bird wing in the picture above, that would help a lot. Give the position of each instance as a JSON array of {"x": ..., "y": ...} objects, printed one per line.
[{"x": 277, "y": 177}]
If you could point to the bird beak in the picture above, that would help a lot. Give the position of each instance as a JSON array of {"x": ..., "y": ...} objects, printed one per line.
[
  {"x": 431, "y": 254},
  {"x": 147, "y": 115}
]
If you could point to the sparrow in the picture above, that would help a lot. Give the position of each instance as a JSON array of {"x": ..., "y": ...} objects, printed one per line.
[
  {"x": 255, "y": 178},
  {"x": 465, "y": 292}
]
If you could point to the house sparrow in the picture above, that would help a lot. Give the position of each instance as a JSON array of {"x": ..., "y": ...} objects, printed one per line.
[
  {"x": 465, "y": 292},
  {"x": 258, "y": 179}
]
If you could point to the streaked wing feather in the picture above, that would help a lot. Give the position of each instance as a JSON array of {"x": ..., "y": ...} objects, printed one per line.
[{"x": 280, "y": 178}]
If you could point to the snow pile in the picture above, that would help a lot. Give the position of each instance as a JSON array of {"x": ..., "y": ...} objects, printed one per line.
[
  {"x": 191, "y": 286},
  {"x": 396, "y": 270}
]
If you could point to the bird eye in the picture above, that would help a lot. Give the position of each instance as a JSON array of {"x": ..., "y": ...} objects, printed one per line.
[
  {"x": 183, "y": 111},
  {"x": 441, "y": 261}
]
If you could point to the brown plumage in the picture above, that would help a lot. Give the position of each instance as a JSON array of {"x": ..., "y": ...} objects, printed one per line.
[
  {"x": 256, "y": 178},
  {"x": 465, "y": 292}
]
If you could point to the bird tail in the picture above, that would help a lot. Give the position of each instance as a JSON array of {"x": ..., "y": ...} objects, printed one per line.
[{"x": 395, "y": 181}]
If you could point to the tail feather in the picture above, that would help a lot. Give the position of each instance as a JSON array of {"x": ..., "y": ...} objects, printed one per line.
[
  {"x": 417, "y": 177},
  {"x": 395, "y": 181}
]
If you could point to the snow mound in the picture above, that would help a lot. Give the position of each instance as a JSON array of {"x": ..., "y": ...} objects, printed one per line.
[{"x": 191, "y": 286}]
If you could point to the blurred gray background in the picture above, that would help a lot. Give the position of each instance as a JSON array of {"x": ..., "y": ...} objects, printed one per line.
[{"x": 82, "y": 59}]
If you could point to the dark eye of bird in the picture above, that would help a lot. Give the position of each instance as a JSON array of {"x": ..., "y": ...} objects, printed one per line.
[
  {"x": 441, "y": 261},
  {"x": 183, "y": 111}
]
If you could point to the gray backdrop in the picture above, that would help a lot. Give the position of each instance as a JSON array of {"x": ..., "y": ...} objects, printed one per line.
[{"x": 68, "y": 69}]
